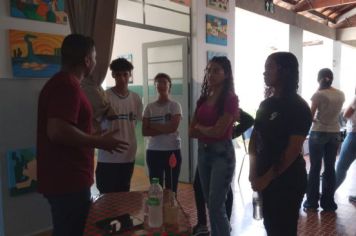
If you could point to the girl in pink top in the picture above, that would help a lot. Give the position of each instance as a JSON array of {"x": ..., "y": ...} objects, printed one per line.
[{"x": 217, "y": 109}]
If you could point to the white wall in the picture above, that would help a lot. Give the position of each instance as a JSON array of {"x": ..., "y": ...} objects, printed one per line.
[
  {"x": 348, "y": 72},
  {"x": 200, "y": 48},
  {"x": 28, "y": 213}
]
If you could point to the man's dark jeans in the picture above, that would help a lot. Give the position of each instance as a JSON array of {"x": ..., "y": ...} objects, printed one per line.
[{"x": 69, "y": 212}]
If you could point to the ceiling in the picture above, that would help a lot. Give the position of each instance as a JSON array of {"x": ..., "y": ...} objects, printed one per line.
[{"x": 337, "y": 14}]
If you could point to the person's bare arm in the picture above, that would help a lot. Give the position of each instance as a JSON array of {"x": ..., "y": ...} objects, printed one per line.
[
  {"x": 168, "y": 127},
  {"x": 348, "y": 112},
  {"x": 313, "y": 108},
  {"x": 294, "y": 148},
  {"x": 252, "y": 157},
  {"x": 62, "y": 132},
  {"x": 193, "y": 131},
  {"x": 219, "y": 128},
  {"x": 146, "y": 128}
]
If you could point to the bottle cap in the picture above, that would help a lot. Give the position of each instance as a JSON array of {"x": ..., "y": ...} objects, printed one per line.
[{"x": 155, "y": 180}]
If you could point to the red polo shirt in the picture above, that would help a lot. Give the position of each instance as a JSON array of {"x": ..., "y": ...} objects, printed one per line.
[{"x": 60, "y": 168}]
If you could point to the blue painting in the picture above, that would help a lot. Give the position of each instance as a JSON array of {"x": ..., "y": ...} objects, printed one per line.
[
  {"x": 22, "y": 171},
  {"x": 35, "y": 55},
  {"x": 216, "y": 30}
]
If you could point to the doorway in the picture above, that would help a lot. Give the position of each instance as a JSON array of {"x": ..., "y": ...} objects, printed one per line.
[{"x": 170, "y": 57}]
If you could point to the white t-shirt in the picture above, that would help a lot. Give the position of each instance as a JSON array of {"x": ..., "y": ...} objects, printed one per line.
[
  {"x": 129, "y": 110},
  {"x": 161, "y": 113},
  {"x": 351, "y": 122},
  {"x": 329, "y": 103}
]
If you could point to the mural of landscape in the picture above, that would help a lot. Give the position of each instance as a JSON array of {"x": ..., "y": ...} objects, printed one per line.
[
  {"x": 41, "y": 10},
  {"x": 35, "y": 55}
]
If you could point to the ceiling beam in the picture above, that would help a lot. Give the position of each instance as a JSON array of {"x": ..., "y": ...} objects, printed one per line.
[
  {"x": 347, "y": 22},
  {"x": 321, "y": 16},
  {"x": 346, "y": 15},
  {"x": 306, "y": 5}
]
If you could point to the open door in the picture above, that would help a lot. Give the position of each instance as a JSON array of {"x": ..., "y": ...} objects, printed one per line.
[{"x": 170, "y": 57}]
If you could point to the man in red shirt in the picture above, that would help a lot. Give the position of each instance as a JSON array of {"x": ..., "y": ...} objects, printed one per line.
[{"x": 65, "y": 145}]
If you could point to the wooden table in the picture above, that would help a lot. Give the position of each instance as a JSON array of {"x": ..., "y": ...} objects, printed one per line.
[{"x": 115, "y": 204}]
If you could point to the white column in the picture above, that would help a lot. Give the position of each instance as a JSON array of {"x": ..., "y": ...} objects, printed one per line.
[
  {"x": 336, "y": 63},
  {"x": 296, "y": 47}
]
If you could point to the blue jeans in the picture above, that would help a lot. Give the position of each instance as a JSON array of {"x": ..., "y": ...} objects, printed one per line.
[
  {"x": 216, "y": 164},
  {"x": 200, "y": 201},
  {"x": 69, "y": 212},
  {"x": 347, "y": 156},
  {"x": 322, "y": 146}
]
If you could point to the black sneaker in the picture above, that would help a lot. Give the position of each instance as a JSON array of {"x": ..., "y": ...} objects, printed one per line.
[
  {"x": 330, "y": 206},
  {"x": 352, "y": 199},
  {"x": 201, "y": 230}
]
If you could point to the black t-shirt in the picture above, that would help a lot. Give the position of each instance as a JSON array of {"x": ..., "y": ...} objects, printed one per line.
[{"x": 276, "y": 120}]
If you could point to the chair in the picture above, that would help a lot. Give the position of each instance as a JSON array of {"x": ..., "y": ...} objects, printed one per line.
[{"x": 245, "y": 137}]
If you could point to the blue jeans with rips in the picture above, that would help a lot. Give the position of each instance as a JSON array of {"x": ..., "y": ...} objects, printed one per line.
[
  {"x": 322, "y": 146},
  {"x": 216, "y": 164},
  {"x": 347, "y": 156}
]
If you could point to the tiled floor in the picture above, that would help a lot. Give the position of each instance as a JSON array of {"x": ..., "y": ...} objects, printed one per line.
[{"x": 342, "y": 222}]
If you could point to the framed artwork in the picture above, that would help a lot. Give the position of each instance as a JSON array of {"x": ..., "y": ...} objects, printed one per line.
[
  {"x": 211, "y": 54},
  {"x": 35, "y": 54},
  {"x": 221, "y": 5},
  {"x": 183, "y": 2},
  {"x": 22, "y": 171},
  {"x": 128, "y": 57},
  {"x": 216, "y": 30},
  {"x": 41, "y": 10}
]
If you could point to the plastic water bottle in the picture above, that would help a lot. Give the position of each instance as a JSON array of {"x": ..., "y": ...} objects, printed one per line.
[
  {"x": 154, "y": 202},
  {"x": 257, "y": 206}
]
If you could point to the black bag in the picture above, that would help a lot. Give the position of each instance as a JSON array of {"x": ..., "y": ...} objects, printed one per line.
[
  {"x": 246, "y": 121},
  {"x": 119, "y": 224}
]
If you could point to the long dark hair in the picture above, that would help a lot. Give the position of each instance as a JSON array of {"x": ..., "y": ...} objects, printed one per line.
[
  {"x": 288, "y": 73},
  {"x": 325, "y": 78},
  {"x": 228, "y": 85}
]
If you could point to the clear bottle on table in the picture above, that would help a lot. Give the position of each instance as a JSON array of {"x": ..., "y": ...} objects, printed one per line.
[{"x": 154, "y": 203}]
